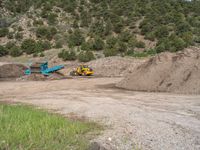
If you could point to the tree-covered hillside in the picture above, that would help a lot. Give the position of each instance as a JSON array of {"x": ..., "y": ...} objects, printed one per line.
[{"x": 101, "y": 27}]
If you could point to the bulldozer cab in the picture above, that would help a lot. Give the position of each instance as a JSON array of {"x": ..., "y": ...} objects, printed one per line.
[{"x": 83, "y": 67}]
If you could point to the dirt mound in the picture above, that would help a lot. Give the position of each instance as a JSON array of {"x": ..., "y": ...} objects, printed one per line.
[
  {"x": 32, "y": 77},
  {"x": 104, "y": 67},
  {"x": 167, "y": 72},
  {"x": 41, "y": 77},
  {"x": 11, "y": 70},
  {"x": 114, "y": 66}
]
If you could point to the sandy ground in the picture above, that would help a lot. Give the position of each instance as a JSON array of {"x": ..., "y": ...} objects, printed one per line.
[{"x": 134, "y": 120}]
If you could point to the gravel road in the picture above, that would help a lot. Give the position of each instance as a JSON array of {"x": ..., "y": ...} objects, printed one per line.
[{"x": 134, "y": 120}]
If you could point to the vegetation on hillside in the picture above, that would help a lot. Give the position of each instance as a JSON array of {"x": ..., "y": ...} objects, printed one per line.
[{"x": 108, "y": 26}]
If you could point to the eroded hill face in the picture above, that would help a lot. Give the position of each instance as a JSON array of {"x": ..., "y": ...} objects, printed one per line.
[{"x": 105, "y": 28}]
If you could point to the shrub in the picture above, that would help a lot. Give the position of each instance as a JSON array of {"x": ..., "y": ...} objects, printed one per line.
[
  {"x": 18, "y": 36},
  {"x": 150, "y": 36},
  {"x": 47, "y": 6},
  {"x": 67, "y": 55},
  {"x": 160, "y": 48},
  {"x": 46, "y": 32},
  {"x": 29, "y": 46},
  {"x": 3, "y": 22},
  {"x": 75, "y": 24},
  {"x": 46, "y": 45},
  {"x": 3, "y": 32},
  {"x": 179, "y": 44},
  {"x": 70, "y": 31},
  {"x": 9, "y": 45},
  {"x": 38, "y": 47},
  {"x": 86, "y": 56},
  {"x": 86, "y": 46},
  {"x": 197, "y": 39},
  {"x": 110, "y": 43},
  {"x": 140, "y": 44},
  {"x": 44, "y": 14},
  {"x": 52, "y": 18},
  {"x": 3, "y": 51},
  {"x": 20, "y": 29},
  {"x": 38, "y": 22},
  {"x": 129, "y": 52},
  {"x": 146, "y": 26},
  {"x": 188, "y": 38},
  {"x": 151, "y": 52},
  {"x": 167, "y": 42},
  {"x": 76, "y": 38},
  {"x": 85, "y": 21},
  {"x": 10, "y": 35},
  {"x": 118, "y": 27},
  {"x": 42, "y": 32},
  {"x": 125, "y": 36},
  {"x": 110, "y": 52},
  {"x": 132, "y": 43},
  {"x": 98, "y": 44},
  {"x": 108, "y": 28},
  {"x": 97, "y": 28},
  {"x": 121, "y": 47},
  {"x": 183, "y": 27},
  {"x": 58, "y": 44},
  {"x": 15, "y": 51},
  {"x": 162, "y": 31},
  {"x": 53, "y": 30},
  {"x": 172, "y": 43}
]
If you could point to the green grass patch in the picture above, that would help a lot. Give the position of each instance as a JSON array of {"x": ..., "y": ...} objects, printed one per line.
[{"x": 24, "y": 127}]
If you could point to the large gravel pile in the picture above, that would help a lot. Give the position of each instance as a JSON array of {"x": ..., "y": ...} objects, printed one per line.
[
  {"x": 11, "y": 70},
  {"x": 167, "y": 72},
  {"x": 114, "y": 66}
]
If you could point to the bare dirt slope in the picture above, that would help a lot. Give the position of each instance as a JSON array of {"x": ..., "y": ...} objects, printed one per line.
[
  {"x": 115, "y": 66},
  {"x": 11, "y": 70},
  {"x": 167, "y": 72},
  {"x": 107, "y": 67},
  {"x": 134, "y": 120}
]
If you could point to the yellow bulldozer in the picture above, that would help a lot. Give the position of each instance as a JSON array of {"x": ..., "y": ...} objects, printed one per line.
[{"x": 82, "y": 70}]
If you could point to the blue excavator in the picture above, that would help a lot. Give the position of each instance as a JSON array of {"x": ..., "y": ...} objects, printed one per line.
[{"x": 42, "y": 68}]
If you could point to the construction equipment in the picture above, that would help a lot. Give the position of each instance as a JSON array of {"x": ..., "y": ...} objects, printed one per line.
[
  {"x": 42, "y": 68},
  {"x": 82, "y": 70}
]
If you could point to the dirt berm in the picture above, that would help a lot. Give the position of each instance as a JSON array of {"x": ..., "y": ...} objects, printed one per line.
[
  {"x": 11, "y": 70},
  {"x": 104, "y": 67},
  {"x": 167, "y": 72},
  {"x": 114, "y": 66}
]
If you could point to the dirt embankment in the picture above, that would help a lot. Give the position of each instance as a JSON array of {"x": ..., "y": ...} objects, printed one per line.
[
  {"x": 105, "y": 67},
  {"x": 11, "y": 70},
  {"x": 114, "y": 66},
  {"x": 167, "y": 72}
]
